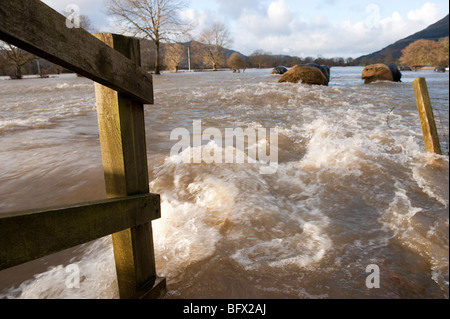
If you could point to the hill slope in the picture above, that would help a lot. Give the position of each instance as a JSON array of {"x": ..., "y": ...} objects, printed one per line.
[{"x": 393, "y": 52}]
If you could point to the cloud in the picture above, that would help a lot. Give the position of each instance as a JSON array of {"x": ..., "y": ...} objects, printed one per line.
[
  {"x": 235, "y": 8},
  {"x": 428, "y": 14},
  {"x": 96, "y": 10},
  {"x": 199, "y": 19},
  {"x": 278, "y": 19},
  {"x": 280, "y": 30},
  {"x": 325, "y": 27}
]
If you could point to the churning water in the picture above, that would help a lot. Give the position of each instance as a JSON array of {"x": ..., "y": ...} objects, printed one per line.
[{"x": 354, "y": 187}]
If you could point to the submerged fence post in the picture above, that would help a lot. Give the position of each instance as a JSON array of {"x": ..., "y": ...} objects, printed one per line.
[{"x": 430, "y": 133}]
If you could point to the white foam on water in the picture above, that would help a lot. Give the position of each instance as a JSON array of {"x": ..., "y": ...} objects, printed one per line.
[
  {"x": 97, "y": 277},
  {"x": 286, "y": 220},
  {"x": 300, "y": 250},
  {"x": 34, "y": 122},
  {"x": 40, "y": 103},
  {"x": 403, "y": 219},
  {"x": 192, "y": 217},
  {"x": 430, "y": 177},
  {"x": 329, "y": 149},
  {"x": 195, "y": 206},
  {"x": 203, "y": 205},
  {"x": 399, "y": 216}
]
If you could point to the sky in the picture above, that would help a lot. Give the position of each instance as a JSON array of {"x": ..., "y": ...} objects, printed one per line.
[{"x": 326, "y": 28}]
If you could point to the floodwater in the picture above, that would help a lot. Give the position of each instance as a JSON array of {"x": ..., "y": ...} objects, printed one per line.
[{"x": 353, "y": 190}]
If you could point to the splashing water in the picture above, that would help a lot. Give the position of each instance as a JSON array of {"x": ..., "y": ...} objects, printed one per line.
[{"x": 354, "y": 187}]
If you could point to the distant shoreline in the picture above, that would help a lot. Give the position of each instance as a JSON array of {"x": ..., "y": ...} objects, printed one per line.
[{"x": 35, "y": 76}]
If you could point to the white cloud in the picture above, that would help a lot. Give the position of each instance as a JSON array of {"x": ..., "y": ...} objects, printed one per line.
[
  {"x": 428, "y": 14},
  {"x": 279, "y": 13},
  {"x": 327, "y": 27},
  {"x": 280, "y": 30},
  {"x": 320, "y": 20},
  {"x": 234, "y": 8},
  {"x": 199, "y": 19},
  {"x": 94, "y": 9},
  {"x": 277, "y": 19}
]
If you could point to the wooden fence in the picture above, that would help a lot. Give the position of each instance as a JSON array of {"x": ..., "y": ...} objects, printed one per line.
[
  {"x": 429, "y": 130},
  {"x": 122, "y": 88}
]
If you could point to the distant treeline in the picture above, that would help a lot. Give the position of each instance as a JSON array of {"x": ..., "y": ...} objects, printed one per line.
[
  {"x": 264, "y": 60},
  {"x": 258, "y": 59},
  {"x": 16, "y": 62}
]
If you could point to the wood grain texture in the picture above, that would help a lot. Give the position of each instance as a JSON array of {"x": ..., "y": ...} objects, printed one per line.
[
  {"x": 29, "y": 235},
  {"x": 122, "y": 88},
  {"x": 124, "y": 153},
  {"x": 430, "y": 133}
]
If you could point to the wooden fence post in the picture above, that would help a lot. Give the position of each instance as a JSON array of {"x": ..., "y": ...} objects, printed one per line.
[
  {"x": 430, "y": 133},
  {"x": 122, "y": 136},
  {"x": 123, "y": 143}
]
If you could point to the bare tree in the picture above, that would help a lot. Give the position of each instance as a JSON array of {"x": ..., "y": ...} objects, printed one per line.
[
  {"x": 4, "y": 63},
  {"x": 174, "y": 55},
  {"x": 156, "y": 20},
  {"x": 16, "y": 56},
  {"x": 258, "y": 58},
  {"x": 215, "y": 38},
  {"x": 86, "y": 23}
]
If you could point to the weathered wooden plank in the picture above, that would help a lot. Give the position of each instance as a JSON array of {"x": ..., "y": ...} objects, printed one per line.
[
  {"x": 36, "y": 28},
  {"x": 430, "y": 133},
  {"x": 25, "y": 236},
  {"x": 124, "y": 153}
]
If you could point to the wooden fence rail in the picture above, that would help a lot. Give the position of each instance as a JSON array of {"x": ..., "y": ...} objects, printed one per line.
[
  {"x": 30, "y": 235},
  {"x": 122, "y": 88},
  {"x": 33, "y": 26}
]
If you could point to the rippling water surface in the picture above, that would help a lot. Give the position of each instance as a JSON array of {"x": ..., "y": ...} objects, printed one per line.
[{"x": 354, "y": 187}]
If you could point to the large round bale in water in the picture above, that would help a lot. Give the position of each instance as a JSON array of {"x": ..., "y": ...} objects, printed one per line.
[
  {"x": 280, "y": 70},
  {"x": 396, "y": 74},
  {"x": 324, "y": 68},
  {"x": 305, "y": 74},
  {"x": 381, "y": 72}
]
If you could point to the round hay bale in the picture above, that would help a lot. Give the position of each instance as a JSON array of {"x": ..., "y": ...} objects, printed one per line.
[
  {"x": 304, "y": 74},
  {"x": 377, "y": 72},
  {"x": 280, "y": 70}
]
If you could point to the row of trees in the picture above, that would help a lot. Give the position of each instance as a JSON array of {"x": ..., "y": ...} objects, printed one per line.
[
  {"x": 173, "y": 57},
  {"x": 197, "y": 55},
  {"x": 210, "y": 55}
]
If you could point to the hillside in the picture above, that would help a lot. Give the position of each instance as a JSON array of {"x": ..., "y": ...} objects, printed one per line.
[{"x": 393, "y": 52}]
